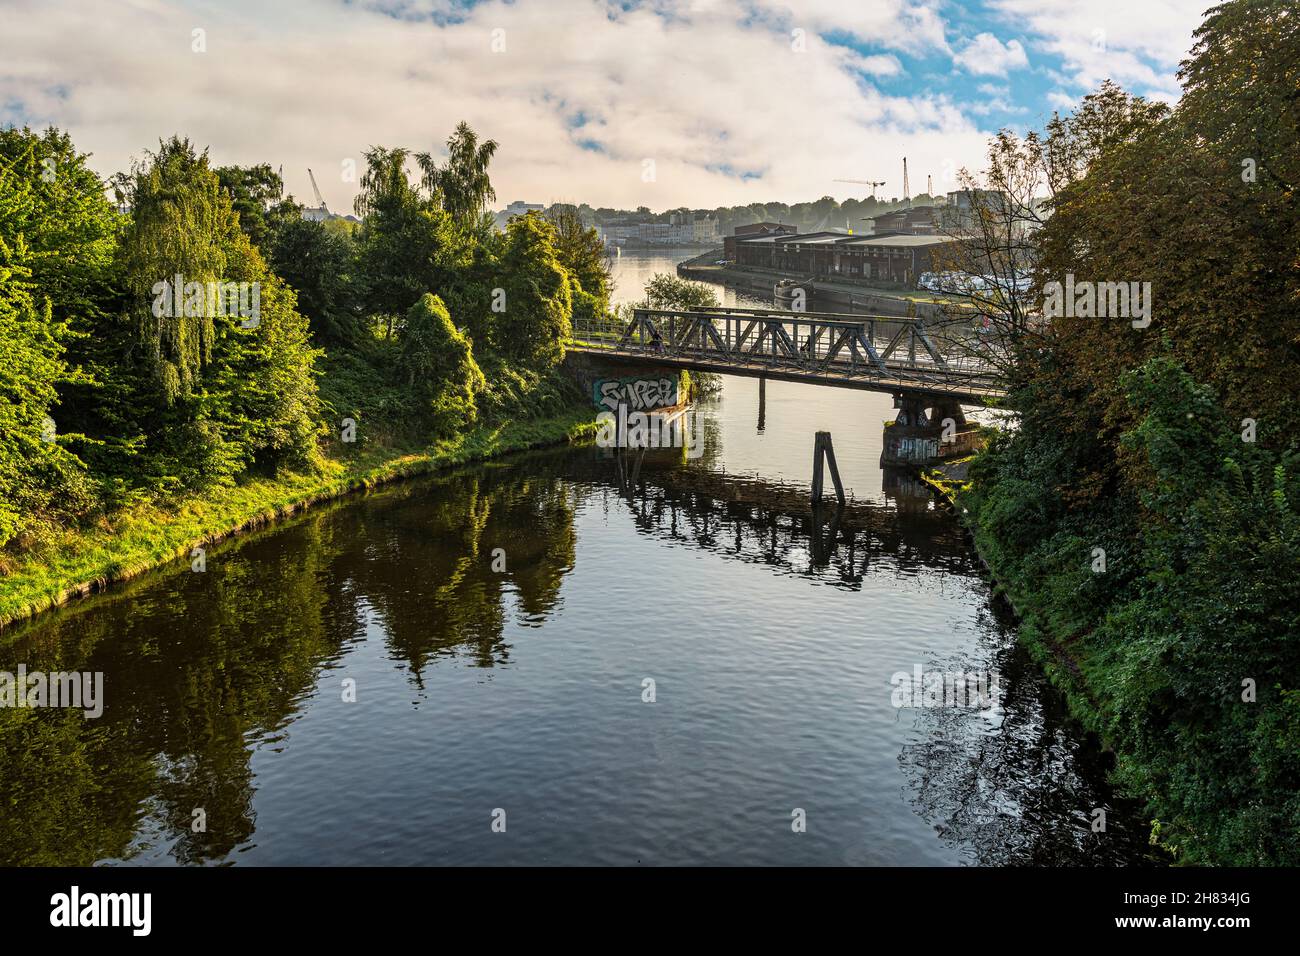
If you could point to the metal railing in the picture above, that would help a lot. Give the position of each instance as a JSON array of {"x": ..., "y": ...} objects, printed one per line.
[{"x": 898, "y": 352}]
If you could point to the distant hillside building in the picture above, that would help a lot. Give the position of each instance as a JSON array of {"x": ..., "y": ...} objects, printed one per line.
[
  {"x": 619, "y": 232},
  {"x": 681, "y": 231},
  {"x": 516, "y": 208},
  {"x": 705, "y": 229}
]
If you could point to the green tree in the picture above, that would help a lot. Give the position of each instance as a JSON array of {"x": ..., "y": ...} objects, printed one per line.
[
  {"x": 1170, "y": 446},
  {"x": 461, "y": 183},
  {"x": 437, "y": 363},
  {"x": 581, "y": 251},
  {"x": 69, "y": 226},
  {"x": 39, "y": 479},
  {"x": 58, "y": 205},
  {"x": 257, "y": 195},
  {"x": 216, "y": 390},
  {"x": 536, "y": 303},
  {"x": 665, "y": 291},
  {"x": 320, "y": 265},
  {"x": 407, "y": 244}
]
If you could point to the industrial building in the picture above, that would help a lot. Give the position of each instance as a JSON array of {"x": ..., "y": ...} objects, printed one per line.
[{"x": 894, "y": 257}]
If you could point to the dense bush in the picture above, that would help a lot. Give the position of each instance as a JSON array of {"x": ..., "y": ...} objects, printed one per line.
[
  {"x": 1172, "y": 448},
  {"x": 1188, "y": 643},
  {"x": 439, "y": 367},
  {"x": 109, "y": 393}
]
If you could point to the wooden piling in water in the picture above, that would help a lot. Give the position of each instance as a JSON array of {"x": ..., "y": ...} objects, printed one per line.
[{"x": 824, "y": 454}]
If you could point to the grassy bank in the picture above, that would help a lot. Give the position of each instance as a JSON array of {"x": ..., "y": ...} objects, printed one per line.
[
  {"x": 126, "y": 544},
  {"x": 1060, "y": 655},
  {"x": 1053, "y": 656}
]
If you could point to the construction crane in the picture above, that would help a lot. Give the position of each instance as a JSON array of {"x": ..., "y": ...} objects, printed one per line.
[
  {"x": 320, "y": 200},
  {"x": 863, "y": 182}
]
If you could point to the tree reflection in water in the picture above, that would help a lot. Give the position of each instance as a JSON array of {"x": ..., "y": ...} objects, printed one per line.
[
  {"x": 1015, "y": 784},
  {"x": 203, "y": 670},
  {"x": 199, "y": 667}
]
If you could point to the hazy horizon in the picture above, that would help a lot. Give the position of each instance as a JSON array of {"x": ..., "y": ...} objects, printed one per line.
[{"x": 672, "y": 103}]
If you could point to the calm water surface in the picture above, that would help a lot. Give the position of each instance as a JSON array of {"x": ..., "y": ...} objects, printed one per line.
[{"x": 771, "y": 645}]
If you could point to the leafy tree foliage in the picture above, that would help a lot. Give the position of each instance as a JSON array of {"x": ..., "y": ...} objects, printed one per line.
[
  {"x": 69, "y": 230},
  {"x": 56, "y": 230},
  {"x": 461, "y": 184},
  {"x": 407, "y": 242},
  {"x": 37, "y": 475},
  {"x": 1171, "y": 447},
  {"x": 538, "y": 306},
  {"x": 582, "y": 252},
  {"x": 215, "y": 396},
  {"x": 438, "y": 365},
  {"x": 67, "y": 222},
  {"x": 666, "y": 291},
  {"x": 116, "y": 344},
  {"x": 320, "y": 264},
  {"x": 257, "y": 195}
]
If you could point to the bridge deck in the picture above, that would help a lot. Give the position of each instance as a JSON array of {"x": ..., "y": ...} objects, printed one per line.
[{"x": 877, "y": 353}]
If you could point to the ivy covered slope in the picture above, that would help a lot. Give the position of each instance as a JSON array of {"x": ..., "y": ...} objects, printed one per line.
[
  {"x": 1144, "y": 512},
  {"x": 188, "y": 354}
]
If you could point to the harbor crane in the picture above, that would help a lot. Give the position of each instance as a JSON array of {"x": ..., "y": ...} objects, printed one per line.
[
  {"x": 320, "y": 200},
  {"x": 863, "y": 182}
]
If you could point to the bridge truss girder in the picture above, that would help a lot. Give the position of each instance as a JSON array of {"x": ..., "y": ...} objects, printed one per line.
[{"x": 813, "y": 346}]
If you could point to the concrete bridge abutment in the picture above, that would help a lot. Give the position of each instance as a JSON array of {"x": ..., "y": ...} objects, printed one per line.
[
  {"x": 609, "y": 382},
  {"x": 926, "y": 431}
]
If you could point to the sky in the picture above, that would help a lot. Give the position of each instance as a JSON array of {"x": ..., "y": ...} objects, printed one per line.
[{"x": 661, "y": 103}]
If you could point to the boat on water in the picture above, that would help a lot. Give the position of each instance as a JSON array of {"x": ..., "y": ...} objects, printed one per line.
[{"x": 785, "y": 290}]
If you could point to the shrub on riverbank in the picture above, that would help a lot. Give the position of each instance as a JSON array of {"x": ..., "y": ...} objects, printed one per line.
[
  {"x": 134, "y": 539},
  {"x": 1179, "y": 643},
  {"x": 1144, "y": 516},
  {"x": 129, "y": 378},
  {"x": 438, "y": 365}
]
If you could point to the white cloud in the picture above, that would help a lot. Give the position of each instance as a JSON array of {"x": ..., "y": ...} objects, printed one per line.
[
  {"x": 987, "y": 56},
  {"x": 1061, "y": 101},
  {"x": 881, "y": 64},
  {"x": 1137, "y": 44},
  {"x": 996, "y": 104},
  {"x": 577, "y": 100},
  {"x": 910, "y": 26}
]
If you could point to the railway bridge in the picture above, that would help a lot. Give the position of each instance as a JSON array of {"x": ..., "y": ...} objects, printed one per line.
[{"x": 931, "y": 369}]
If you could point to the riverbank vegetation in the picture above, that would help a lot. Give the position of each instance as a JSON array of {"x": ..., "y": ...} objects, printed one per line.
[
  {"x": 1143, "y": 514},
  {"x": 192, "y": 353}
]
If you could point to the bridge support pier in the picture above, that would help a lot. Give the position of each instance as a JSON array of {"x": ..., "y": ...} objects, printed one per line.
[{"x": 927, "y": 430}]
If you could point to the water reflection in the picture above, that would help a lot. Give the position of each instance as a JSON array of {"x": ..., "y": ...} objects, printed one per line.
[
  {"x": 1017, "y": 785},
  {"x": 222, "y": 688},
  {"x": 198, "y": 666},
  {"x": 772, "y": 523},
  {"x": 428, "y": 569},
  {"x": 209, "y": 674}
]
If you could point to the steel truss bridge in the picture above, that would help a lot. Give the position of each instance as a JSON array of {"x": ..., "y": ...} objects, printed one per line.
[{"x": 878, "y": 353}]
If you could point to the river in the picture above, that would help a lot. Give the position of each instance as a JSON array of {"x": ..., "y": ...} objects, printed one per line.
[{"x": 543, "y": 661}]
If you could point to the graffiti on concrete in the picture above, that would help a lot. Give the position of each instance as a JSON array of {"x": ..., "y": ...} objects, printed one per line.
[
  {"x": 636, "y": 393},
  {"x": 679, "y": 428}
]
